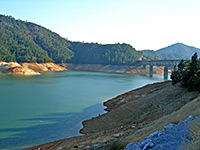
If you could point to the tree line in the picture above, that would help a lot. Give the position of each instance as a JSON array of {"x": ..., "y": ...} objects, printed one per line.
[
  {"x": 188, "y": 74},
  {"x": 93, "y": 53}
]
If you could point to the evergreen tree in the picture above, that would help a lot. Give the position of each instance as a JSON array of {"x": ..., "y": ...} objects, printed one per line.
[{"x": 188, "y": 74}]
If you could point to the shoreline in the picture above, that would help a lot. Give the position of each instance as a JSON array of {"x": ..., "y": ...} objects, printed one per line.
[
  {"x": 118, "y": 126},
  {"x": 35, "y": 68},
  {"x": 107, "y": 133},
  {"x": 113, "y": 68},
  {"x": 28, "y": 68}
]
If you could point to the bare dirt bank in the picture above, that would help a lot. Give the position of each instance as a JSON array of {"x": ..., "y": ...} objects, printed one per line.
[
  {"x": 133, "y": 116},
  {"x": 36, "y": 68},
  {"x": 140, "y": 106},
  {"x": 112, "y": 68},
  {"x": 28, "y": 68}
]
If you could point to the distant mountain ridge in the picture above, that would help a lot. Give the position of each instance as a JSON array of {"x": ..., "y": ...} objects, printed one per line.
[
  {"x": 22, "y": 41},
  {"x": 174, "y": 51}
]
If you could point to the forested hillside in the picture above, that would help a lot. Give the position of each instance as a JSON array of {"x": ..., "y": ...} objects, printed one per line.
[
  {"x": 92, "y": 53},
  {"x": 27, "y": 42},
  {"x": 188, "y": 74}
]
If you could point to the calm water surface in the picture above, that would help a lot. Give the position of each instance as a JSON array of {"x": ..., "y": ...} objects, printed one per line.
[{"x": 40, "y": 109}]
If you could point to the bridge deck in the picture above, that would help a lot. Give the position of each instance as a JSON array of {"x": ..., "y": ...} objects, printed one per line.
[{"x": 158, "y": 62}]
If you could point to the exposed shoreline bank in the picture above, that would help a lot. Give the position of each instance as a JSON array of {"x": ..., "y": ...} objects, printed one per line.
[
  {"x": 28, "y": 68},
  {"x": 113, "y": 68},
  {"x": 133, "y": 116},
  {"x": 36, "y": 68}
]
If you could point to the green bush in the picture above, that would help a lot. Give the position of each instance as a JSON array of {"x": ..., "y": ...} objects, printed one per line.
[{"x": 188, "y": 74}]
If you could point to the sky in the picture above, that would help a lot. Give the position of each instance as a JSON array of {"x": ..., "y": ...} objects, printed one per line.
[{"x": 144, "y": 24}]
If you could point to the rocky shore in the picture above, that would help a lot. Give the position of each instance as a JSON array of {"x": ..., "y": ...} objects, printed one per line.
[
  {"x": 131, "y": 117},
  {"x": 113, "y": 68},
  {"x": 171, "y": 137},
  {"x": 36, "y": 68},
  {"x": 28, "y": 68}
]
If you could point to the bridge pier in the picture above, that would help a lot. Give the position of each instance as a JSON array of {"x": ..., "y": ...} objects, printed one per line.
[
  {"x": 151, "y": 63},
  {"x": 151, "y": 71},
  {"x": 144, "y": 67},
  {"x": 166, "y": 72}
]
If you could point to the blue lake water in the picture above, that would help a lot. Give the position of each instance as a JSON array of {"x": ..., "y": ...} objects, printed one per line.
[{"x": 51, "y": 106}]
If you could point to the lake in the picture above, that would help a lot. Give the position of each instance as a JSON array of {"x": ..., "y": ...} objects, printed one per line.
[{"x": 51, "y": 106}]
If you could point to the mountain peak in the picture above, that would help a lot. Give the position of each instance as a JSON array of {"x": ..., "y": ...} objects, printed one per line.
[
  {"x": 174, "y": 51},
  {"x": 173, "y": 46}
]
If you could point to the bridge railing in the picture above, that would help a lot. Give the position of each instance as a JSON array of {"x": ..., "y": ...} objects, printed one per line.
[{"x": 158, "y": 62}]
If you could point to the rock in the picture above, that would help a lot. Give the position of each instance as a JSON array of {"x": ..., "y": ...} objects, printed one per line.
[
  {"x": 21, "y": 71},
  {"x": 191, "y": 118},
  {"x": 44, "y": 67},
  {"x": 169, "y": 126},
  {"x": 53, "y": 67},
  {"x": 169, "y": 138},
  {"x": 133, "y": 127},
  {"x": 28, "y": 68},
  {"x": 155, "y": 134},
  {"x": 149, "y": 145},
  {"x": 15, "y": 68},
  {"x": 5, "y": 66},
  {"x": 133, "y": 146},
  {"x": 146, "y": 144},
  {"x": 35, "y": 66}
]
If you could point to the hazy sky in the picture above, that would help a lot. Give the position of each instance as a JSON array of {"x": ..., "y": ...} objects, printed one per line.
[{"x": 145, "y": 24}]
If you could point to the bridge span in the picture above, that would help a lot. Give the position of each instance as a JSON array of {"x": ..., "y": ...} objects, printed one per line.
[{"x": 151, "y": 63}]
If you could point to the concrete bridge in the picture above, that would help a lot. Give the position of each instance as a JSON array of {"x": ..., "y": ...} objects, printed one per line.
[{"x": 165, "y": 63}]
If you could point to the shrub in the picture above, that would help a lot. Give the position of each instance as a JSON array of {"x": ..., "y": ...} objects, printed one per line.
[{"x": 188, "y": 74}]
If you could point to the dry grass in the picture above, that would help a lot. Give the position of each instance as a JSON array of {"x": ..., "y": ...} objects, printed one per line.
[
  {"x": 194, "y": 134},
  {"x": 191, "y": 108},
  {"x": 116, "y": 146}
]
